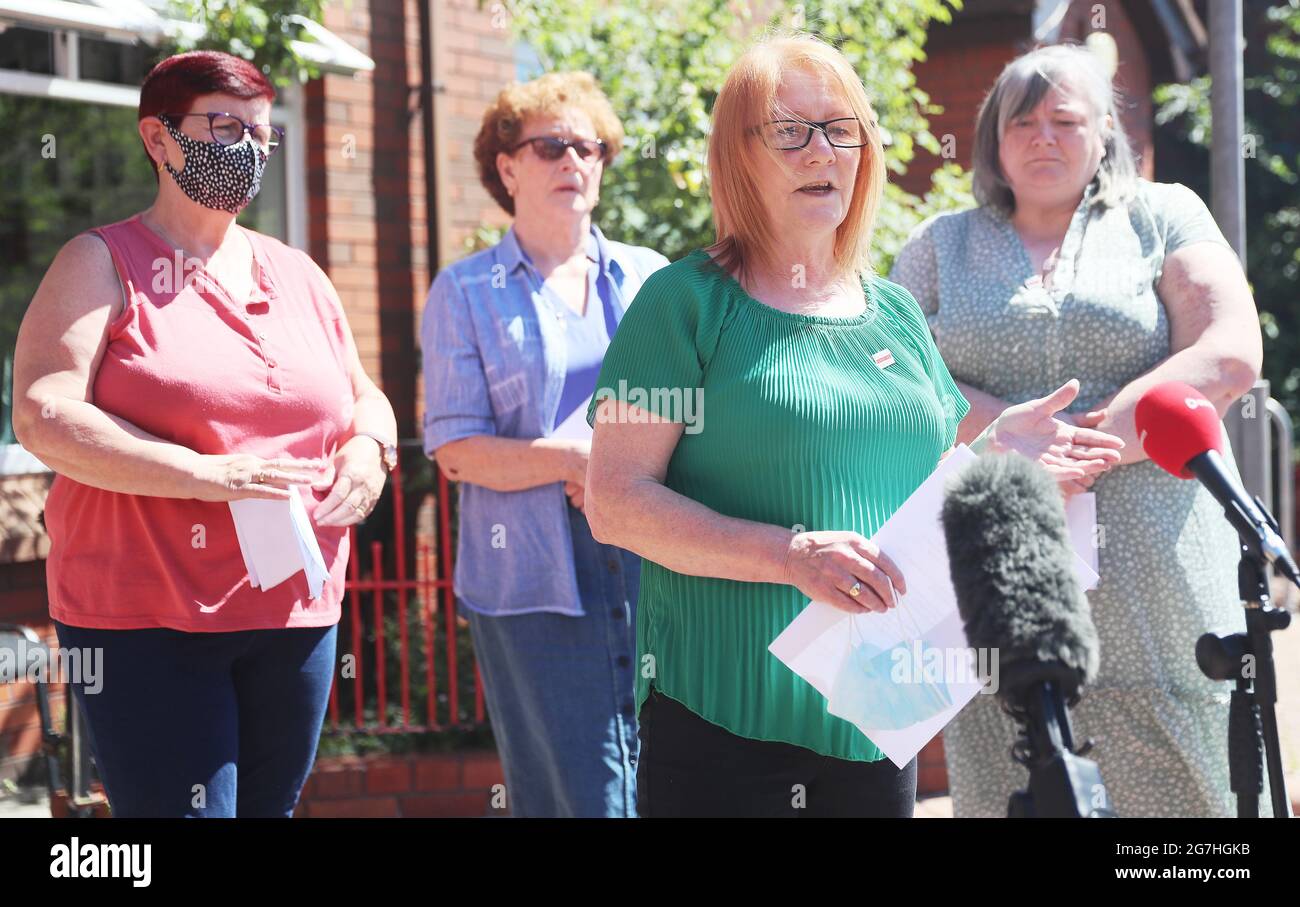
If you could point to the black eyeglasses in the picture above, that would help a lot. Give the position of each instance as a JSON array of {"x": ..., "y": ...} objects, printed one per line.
[
  {"x": 553, "y": 147},
  {"x": 228, "y": 129},
  {"x": 790, "y": 135}
]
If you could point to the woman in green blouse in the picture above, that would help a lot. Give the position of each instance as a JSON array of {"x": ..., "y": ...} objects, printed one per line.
[{"x": 766, "y": 404}]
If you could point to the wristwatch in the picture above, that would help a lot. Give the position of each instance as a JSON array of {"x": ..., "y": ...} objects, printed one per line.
[{"x": 388, "y": 450}]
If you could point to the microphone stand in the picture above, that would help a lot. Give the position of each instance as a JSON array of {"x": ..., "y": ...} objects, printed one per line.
[
  {"x": 1062, "y": 784},
  {"x": 1247, "y": 658}
]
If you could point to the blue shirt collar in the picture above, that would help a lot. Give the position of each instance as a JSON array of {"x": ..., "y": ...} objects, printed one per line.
[{"x": 512, "y": 255}]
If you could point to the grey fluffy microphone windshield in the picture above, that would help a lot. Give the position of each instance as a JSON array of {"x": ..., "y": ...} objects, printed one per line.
[{"x": 1011, "y": 564}]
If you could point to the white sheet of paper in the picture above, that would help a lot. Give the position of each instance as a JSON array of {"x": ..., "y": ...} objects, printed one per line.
[
  {"x": 1081, "y": 520},
  {"x": 575, "y": 428},
  {"x": 313, "y": 561},
  {"x": 277, "y": 540},
  {"x": 247, "y": 554},
  {"x": 817, "y": 642}
]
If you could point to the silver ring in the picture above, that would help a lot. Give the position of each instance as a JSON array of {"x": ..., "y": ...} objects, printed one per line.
[{"x": 855, "y": 590}]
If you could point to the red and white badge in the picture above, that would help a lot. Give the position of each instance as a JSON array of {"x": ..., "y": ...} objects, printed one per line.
[{"x": 883, "y": 359}]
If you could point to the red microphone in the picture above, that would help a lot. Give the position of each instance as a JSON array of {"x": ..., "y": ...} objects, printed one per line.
[
  {"x": 1175, "y": 422},
  {"x": 1181, "y": 433}
]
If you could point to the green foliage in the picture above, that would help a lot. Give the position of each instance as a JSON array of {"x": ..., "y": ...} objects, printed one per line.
[
  {"x": 485, "y": 236},
  {"x": 662, "y": 62},
  {"x": 261, "y": 32},
  {"x": 1272, "y": 156}
]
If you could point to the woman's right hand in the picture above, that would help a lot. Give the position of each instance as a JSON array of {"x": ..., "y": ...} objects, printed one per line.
[
  {"x": 825, "y": 565},
  {"x": 237, "y": 477}
]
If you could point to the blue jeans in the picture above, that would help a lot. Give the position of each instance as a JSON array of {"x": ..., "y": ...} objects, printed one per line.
[
  {"x": 205, "y": 724},
  {"x": 560, "y": 691}
]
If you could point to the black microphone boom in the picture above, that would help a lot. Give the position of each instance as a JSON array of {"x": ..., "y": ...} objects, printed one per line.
[{"x": 1254, "y": 524}]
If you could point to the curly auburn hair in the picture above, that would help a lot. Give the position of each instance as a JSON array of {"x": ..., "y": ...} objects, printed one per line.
[{"x": 547, "y": 95}]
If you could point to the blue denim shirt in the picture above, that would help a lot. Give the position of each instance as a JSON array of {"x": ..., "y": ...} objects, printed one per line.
[{"x": 494, "y": 364}]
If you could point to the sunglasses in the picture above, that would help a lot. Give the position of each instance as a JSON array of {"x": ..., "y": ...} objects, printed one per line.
[{"x": 553, "y": 147}]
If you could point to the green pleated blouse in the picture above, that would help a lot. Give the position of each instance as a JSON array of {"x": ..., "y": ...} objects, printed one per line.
[{"x": 798, "y": 427}]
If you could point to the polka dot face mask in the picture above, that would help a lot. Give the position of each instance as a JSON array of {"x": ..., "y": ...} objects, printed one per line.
[{"x": 223, "y": 177}]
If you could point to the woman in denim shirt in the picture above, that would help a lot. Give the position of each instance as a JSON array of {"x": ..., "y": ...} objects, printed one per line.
[{"x": 513, "y": 340}]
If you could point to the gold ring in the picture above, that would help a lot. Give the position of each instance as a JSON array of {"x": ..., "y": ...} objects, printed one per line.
[
  {"x": 855, "y": 590},
  {"x": 360, "y": 511}
]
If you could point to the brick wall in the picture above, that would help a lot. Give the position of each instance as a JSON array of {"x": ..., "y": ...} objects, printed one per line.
[
  {"x": 367, "y": 211},
  {"x": 931, "y": 770},
  {"x": 432, "y": 785},
  {"x": 473, "y": 61},
  {"x": 960, "y": 69},
  {"x": 369, "y": 219}
]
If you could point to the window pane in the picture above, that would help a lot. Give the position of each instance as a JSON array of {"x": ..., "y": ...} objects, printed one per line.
[
  {"x": 27, "y": 49},
  {"x": 109, "y": 61}
]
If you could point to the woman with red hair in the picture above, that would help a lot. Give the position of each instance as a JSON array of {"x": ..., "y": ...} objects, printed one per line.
[
  {"x": 169, "y": 364},
  {"x": 827, "y": 405}
]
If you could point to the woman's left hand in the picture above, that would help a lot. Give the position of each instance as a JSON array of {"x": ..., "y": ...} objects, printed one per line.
[
  {"x": 577, "y": 495},
  {"x": 357, "y": 481},
  {"x": 1067, "y": 451}
]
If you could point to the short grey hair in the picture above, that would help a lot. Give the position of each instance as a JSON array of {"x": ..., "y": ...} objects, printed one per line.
[{"x": 1021, "y": 86}]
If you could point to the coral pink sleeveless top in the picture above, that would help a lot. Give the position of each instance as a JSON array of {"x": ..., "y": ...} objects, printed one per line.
[{"x": 189, "y": 364}]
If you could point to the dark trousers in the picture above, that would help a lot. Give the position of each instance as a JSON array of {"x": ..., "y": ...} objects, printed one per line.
[
  {"x": 690, "y": 766},
  {"x": 205, "y": 724}
]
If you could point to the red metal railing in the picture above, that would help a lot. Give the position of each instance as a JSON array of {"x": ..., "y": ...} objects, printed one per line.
[{"x": 422, "y": 582}]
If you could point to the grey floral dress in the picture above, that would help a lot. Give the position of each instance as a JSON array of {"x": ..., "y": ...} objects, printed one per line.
[{"x": 1166, "y": 555}]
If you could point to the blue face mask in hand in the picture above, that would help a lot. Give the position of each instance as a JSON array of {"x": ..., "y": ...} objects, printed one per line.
[{"x": 871, "y": 690}]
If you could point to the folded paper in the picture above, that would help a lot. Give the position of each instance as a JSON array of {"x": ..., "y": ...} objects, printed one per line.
[{"x": 277, "y": 540}]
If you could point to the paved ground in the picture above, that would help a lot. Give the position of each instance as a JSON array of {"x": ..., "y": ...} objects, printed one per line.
[
  {"x": 14, "y": 809},
  {"x": 934, "y": 808}
]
